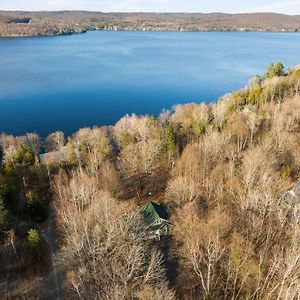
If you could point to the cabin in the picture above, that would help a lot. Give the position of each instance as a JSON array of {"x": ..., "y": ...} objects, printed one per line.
[
  {"x": 54, "y": 156},
  {"x": 155, "y": 218}
]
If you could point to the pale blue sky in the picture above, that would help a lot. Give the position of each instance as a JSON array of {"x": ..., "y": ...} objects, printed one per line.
[{"x": 281, "y": 6}]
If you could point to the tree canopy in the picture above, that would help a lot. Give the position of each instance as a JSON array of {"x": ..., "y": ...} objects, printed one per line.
[{"x": 275, "y": 69}]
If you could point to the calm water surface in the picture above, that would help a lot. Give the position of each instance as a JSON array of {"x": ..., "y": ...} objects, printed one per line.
[{"x": 69, "y": 82}]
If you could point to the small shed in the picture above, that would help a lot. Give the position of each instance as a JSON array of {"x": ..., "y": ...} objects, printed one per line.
[{"x": 155, "y": 217}]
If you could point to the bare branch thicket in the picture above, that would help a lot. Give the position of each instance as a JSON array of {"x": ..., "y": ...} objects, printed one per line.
[{"x": 102, "y": 251}]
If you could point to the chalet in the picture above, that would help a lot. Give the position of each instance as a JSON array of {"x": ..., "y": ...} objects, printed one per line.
[{"x": 155, "y": 218}]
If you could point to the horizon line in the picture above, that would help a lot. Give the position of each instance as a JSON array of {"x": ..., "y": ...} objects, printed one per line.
[{"x": 152, "y": 12}]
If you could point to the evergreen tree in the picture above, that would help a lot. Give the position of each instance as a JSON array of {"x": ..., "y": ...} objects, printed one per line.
[
  {"x": 106, "y": 149},
  {"x": 35, "y": 207},
  {"x": 170, "y": 139},
  {"x": 25, "y": 156},
  {"x": 275, "y": 70},
  {"x": 34, "y": 241},
  {"x": 5, "y": 219}
]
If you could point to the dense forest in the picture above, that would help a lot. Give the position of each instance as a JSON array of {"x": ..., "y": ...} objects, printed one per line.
[
  {"x": 68, "y": 22},
  {"x": 226, "y": 172}
]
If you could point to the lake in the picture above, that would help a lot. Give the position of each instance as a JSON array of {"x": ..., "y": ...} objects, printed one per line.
[{"x": 68, "y": 82}]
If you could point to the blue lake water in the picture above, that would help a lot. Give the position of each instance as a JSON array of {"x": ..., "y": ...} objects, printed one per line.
[{"x": 69, "y": 82}]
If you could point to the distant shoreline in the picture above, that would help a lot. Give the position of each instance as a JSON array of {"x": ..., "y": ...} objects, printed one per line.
[
  {"x": 30, "y": 24},
  {"x": 138, "y": 30}
]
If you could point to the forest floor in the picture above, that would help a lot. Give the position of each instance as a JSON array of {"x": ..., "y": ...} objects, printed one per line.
[{"x": 52, "y": 285}]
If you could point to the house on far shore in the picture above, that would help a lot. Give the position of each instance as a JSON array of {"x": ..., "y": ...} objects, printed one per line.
[{"x": 155, "y": 217}]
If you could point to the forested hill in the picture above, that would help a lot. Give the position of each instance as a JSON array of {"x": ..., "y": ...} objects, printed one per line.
[
  {"x": 226, "y": 174},
  {"x": 67, "y": 22}
]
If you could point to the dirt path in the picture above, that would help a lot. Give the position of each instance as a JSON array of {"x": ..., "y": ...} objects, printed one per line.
[{"x": 52, "y": 285}]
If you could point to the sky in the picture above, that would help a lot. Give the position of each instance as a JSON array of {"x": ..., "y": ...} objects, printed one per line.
[{"x": 232, "y": 6}]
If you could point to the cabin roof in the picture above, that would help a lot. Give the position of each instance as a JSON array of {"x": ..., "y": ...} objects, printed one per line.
[
  {"x": 153, "y": 211},
  {"x": 53, "y": 156}
]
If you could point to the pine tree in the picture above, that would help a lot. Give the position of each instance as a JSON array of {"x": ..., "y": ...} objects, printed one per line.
[
  {"x": 170, "y": 139},
  {"x": 5, "y": 219},
  {"x": 275, "y": 70}
]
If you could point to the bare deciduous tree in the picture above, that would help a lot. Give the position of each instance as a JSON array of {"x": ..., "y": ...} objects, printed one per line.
[
  {"x": 102, "y": 249},
  {"x": 55, "y": 141}
]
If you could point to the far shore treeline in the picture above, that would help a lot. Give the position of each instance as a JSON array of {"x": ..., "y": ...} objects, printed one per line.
[{"x": 13, "y": 24}]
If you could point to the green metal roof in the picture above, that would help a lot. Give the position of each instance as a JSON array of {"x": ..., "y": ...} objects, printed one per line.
[{"x": 153, "y": 211}]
